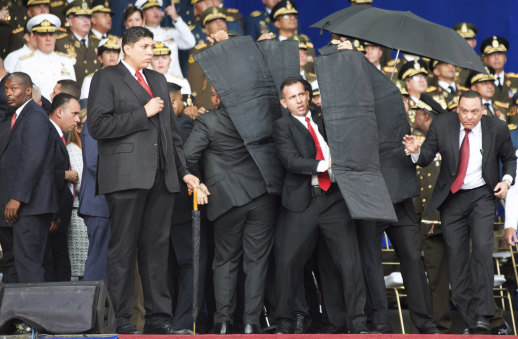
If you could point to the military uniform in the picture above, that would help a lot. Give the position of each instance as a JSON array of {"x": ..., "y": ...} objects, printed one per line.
[
  {"x": 467, "y": 31},
  {"x": 200, "y": 85},
  {"x": 234, "y": 20},
  {"x": 57, "y": 7},
  {"x": 258, "y": 23},
  {"x": 13, "y": 57},
  {"x": 443, "y": 96},
  {"x": 46, "y": 69}
]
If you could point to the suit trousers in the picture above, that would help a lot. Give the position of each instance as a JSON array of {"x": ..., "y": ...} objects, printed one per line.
[
  {"x": 57, "y": 260},
  {"x": 296, "y": 237},
  {"x": 469, "y": 215},
  {"x": 140, "y": 222},
  {"x": 98, "y": 229},
  {"x": 246, "y": 231},
  {"x": 7, "y": 262},
  {"x": 30, "y": 243}
]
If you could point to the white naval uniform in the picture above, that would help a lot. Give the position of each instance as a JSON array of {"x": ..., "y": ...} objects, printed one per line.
[
  {"x": 85, "y": 87},
  {"x": 12, "y": 58},
  {"x": 46, "y": 69},
  {"x": 186, "y": 87},
  {"x": 176, "y": 38}
]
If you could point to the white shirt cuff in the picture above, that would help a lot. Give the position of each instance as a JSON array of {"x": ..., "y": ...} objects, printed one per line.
[
  {"x": 415, "y": 157},
  {"x": 507, "y": 176}
]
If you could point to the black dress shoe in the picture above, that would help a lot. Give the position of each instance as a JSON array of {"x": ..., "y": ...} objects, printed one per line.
[
  {"x": 482, "y": 325},
  {"x": 127, "y": 329},
  {"x": 504, "y": 329},
  {"x": 383, "y": 328},
  {"x": 360, "y": 329},
  {"x": 430, "y": 330},
  {"x": 302, "y": 323},
  {"x": 222, "y": 328},
  {"x": 252, "y": 329},
  {"x": 159, "y": 327},
  {"x": 284, "y": 327}
]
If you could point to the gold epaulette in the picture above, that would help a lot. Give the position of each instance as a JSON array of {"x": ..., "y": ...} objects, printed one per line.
[
  {"x": 230, "y": 18},
  {"x": 393, "y": 61},
  {"x": 201, "y": 44},
  {"x": 501, "y": 104},
  {"x": 511, "y": 75},
  {"x": 310, "y": 44},
  {"x": 26, "y": 56},
  {"x": 312, "y": 75},
  {"x": 113, "y": 37},
  {"x": 191, "y": 27},
  {"x": 93, "y": 36},
  {"x": 388, "y": 69},
  {"x": 431, "y": 89},
  {"x": 61, "y": 36},
  {"x": 63, "y": 54},
  {"x": 426, "y": 59},
  {"x": 255, "y": 14},
  {"x": 191, "y": 58},
  {"x": 233, "y": 10},
  {"x": 56, "y": 3},
  {"x": 462, "y": 88},
  {"x": 17, "y": 30},
  {"x": 511, "y": 126},
  {"x": 62, "y": 29}
]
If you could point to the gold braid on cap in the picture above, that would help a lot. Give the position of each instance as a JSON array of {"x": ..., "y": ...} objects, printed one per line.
[{"x": 159, "y": 48}]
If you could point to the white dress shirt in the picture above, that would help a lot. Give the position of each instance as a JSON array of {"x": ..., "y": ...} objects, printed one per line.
[
  {"x": 511, "y": 205},
  {"x": 99, "y": 34},
  {"x": 323, "y": 165},
  {"x": 132, "y": 71},
  {"x": 12, "y": 58},
  {"x": 484, "y": 102},
  {"x": 79, "y": 38},
  {"x": 20, "y": 109},
  {"x": 446, "y": 85},
  {"x": 500, "y": 75}
]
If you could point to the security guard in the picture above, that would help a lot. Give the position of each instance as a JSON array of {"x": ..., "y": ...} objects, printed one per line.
[
  {"x": 160, "y": 63},
  {"x": 45, "y": 66},
  {"x": 494, "y": 51},
  {"x": 259, "y": 22},
  {"x": 17, "y": 39},
  {"x": 469, "y": 32},
  {"x": 102, "y": 20},
  {"x": 79, "y": 42},
  {"x": 446, "y": 88}
]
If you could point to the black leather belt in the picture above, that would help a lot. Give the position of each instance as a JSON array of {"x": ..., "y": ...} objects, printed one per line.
[{"x": 316, "y": 191}]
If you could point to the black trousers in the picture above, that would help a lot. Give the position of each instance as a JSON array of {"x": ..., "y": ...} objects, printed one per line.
[
  {"x": 26, "y": 243},
  {"x": 140, "y": 225},
  {"x": 246, "y": 231},
  {"x": 469, "y": 215},
  {"x": 404, "y": 238},
  {"x": 296, "y": 238}
]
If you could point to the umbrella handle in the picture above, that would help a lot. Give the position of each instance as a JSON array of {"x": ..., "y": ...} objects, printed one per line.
[{"x": 195, "y": 199}]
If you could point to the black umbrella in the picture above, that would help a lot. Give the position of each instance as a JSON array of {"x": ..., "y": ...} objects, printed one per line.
[
  {"x": 195, "y": 258},
  {"x": 329, "y": 22},
  {"x": 405, "y": 31}
]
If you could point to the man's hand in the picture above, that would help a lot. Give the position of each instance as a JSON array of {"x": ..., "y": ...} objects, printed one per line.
[
  {"x": 72, "y": 176},
  {"x": 54, "y": 225},
  {"x": 191, "y": 181},
  {"x": 191, "y": 111},
  {"x": 510, "y": 236},
  {"x": 154, "y": 106},
  {"x": 501, "y": 189},
  {"x": 265, "y": 36},
  {"x": 203, "y": 195},
  {"x": 11, "y": 210},
  {"x": 171, "y": 11},
  {"x": 411, "y": 144},
  {"x": 218, "y": 36},
  {"x": 343, "y": 45},
  {"x": 4, "y": 13}
]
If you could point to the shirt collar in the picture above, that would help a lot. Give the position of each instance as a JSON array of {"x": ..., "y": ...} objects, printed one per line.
[
  {"x": 303, "y": 119},
  {"x": 475, "y": 130},
  {"x": 268, "y": 10},
  {"x": 97, "y": 33},
  {"x": 60, "y": 132},
  {"x": 445, "y": 85},
  {"x": 501, "y": 75},
  {"x": 20, "y": 109},
  {"x": 79, "y": 38},
  {"x": 486, "y": 102},
  {"x": 130, "y": 69}
]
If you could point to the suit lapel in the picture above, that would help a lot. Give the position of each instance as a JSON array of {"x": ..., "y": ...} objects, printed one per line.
[
  {"x": 317, "y": 118},
  {"x": 17, "y": 125},
  {"x": 302, "y": 129},
  {"x": 487, "y": 135},
  {"x": 155, "y": 89},
  {"x": 139, "y": 91}
]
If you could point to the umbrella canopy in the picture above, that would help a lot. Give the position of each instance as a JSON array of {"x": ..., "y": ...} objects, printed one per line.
[
  {"x": 329, "y": 22},
  {"x": 404, "y": 31}
]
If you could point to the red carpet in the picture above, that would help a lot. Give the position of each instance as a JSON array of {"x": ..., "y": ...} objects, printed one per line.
[{"x": 312, "y": 336}]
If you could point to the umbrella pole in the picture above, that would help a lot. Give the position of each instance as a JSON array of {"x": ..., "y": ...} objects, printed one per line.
[{"x": 395, "y": 63}]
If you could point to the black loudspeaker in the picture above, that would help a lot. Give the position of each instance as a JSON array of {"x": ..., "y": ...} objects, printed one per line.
[{"x": 57, "y": 308}]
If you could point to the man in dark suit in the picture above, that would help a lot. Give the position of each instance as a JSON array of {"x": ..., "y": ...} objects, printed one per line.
[
  {"x": 64, "y": 116},
  {"x": 140, "y": 162},
  {"x": 243, "y": 211},
  {"x": 312, "y": 203},
  {"x": 27, "y": 191},
  {"x": 3, "y": 102},
  {"x": 471, "y": 146},
  {"x": 94, "y": 210}
]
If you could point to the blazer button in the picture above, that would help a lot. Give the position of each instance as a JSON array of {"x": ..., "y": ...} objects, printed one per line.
[
  {"x": 155, "y": 145},
  {"x": 452, "y": 174}
]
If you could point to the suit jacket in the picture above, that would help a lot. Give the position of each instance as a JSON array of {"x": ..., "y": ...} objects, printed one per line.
[
  {"x": 297, "y": 152},
  {"x": 128, "y": 140},
  {"x": 183, "y": 202},
  {"x": 89, "y": 203},
  {"x": 443, "y": 137},
  {"x": 4, "y": 109},
  {"x": 64, "y": 196},
  {"x": 26, "y": 163},
  {"x": 231, "y": 174}
]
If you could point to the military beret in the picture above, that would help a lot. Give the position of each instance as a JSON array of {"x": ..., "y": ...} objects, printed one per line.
[
  {"x": 43, "y": 23},
  {"x": 494, "y": 44},
  {"x": 28, "y": 3},
  {"x": 475, "y": 77},
  {"x": 145, "y": 4},
  {"x": 159, "y": 48},
  {"x": 283, "y": 7},
  {"x": 101, "y": 6},
  {"x": 412, "y": 68},
  {"x": 78, "y": 7},
  {"x": 466, "y": 30},
  {"x": 212, "y": 13},
  {"x": 107, "y": 44}
]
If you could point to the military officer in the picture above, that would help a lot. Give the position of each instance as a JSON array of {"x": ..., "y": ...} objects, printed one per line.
[
  {"x": 57, "y": 7},
  {"x": 446, "y": 88},
  {"x": 79, "y": 42},
  {"x": 414, "y": 74},
  {"x": 44, "y": 66},
  {"x": 484, "y": 84},
  {"x": 469, "y": 32},
  {"x": 160, "y": 63},
  {"x": 102, "y": 20},
  {"x": 259, "y": 22},
  {"x": 304, "y": 58},
  {"x": 13, "y": 14},
  {"x": 18, "y": 36},
  {"x": 28, "y": 48},
  {"x": 179, "y": 37},
  {"x": 285, "y": 18},
  {"x": 198, "y": 7},
  {"x": 108, "y": 53},
  {"x": 234, "y": 17},
  {"x": 494, "y": 51}
]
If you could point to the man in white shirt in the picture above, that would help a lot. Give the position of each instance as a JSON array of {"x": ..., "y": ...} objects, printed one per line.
[
  {"x": 471, "y": 146},
  {"x": 179, "y": 37}
]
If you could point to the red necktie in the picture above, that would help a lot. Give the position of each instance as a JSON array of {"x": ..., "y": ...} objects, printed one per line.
[
  {"x": 324, "y": 182},
  {"x": 143, "y": 83},
  {"x": 463, "y": 163},
  {"x": 13, "y": 120},
  {"x": 70, "y": 168}
]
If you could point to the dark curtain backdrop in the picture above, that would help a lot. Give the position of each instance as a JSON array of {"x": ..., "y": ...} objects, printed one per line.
[{"x": 496, "y": 17}]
